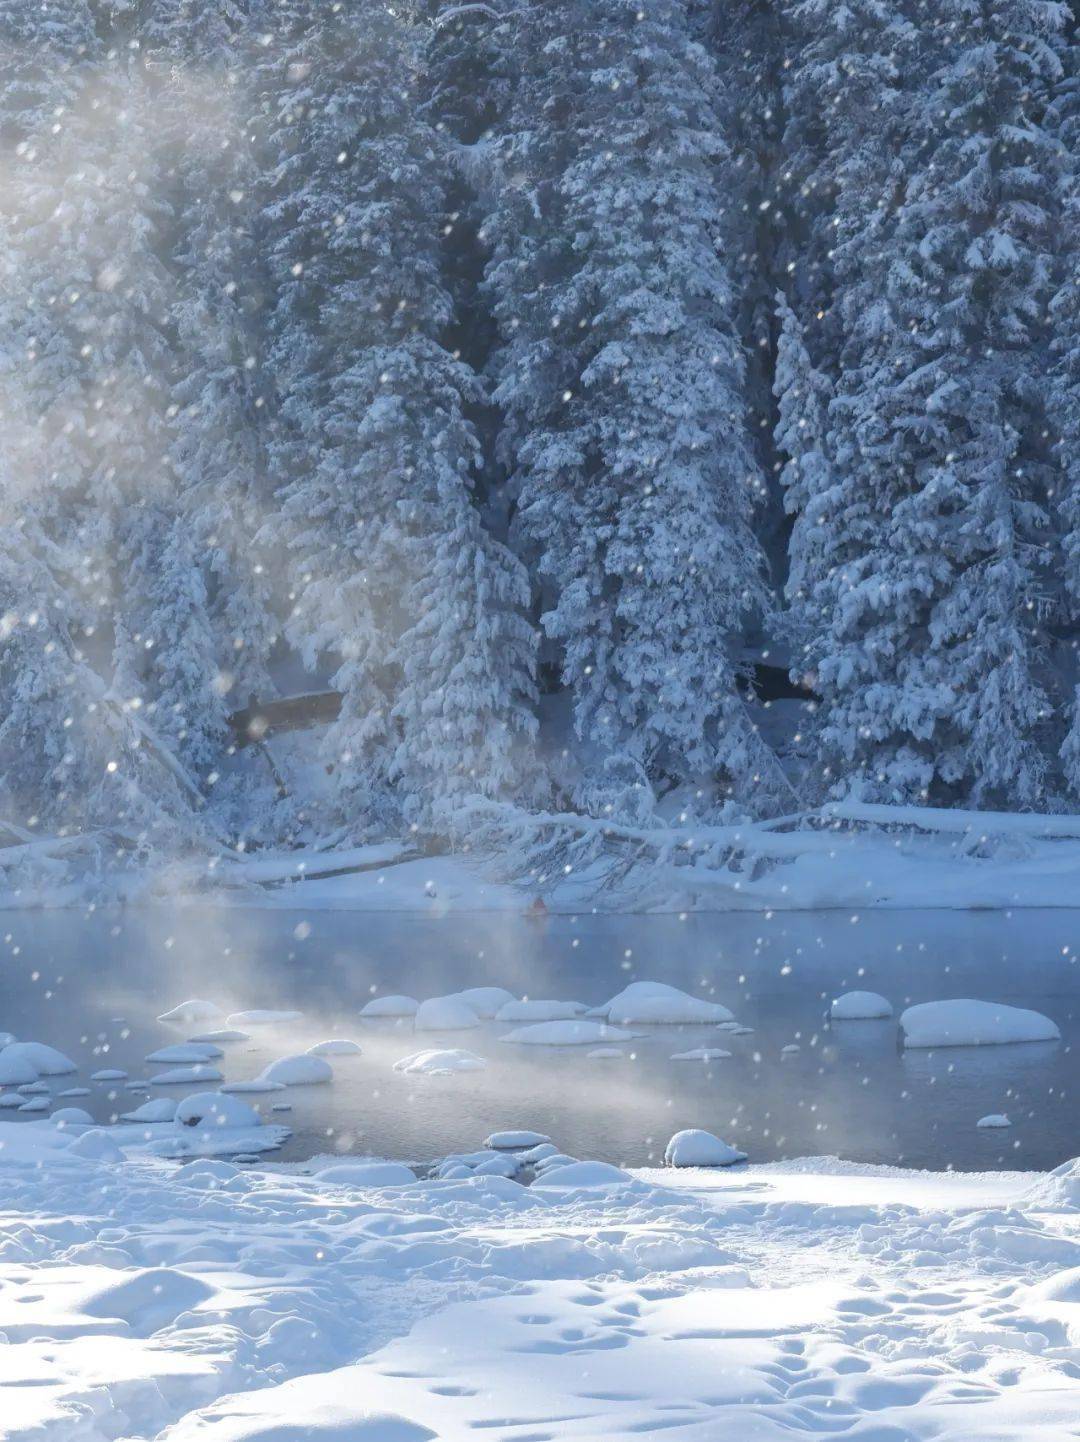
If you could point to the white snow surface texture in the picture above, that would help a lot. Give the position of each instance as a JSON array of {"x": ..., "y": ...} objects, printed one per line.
[
  {"x": 963, "y": 1022},
  {"x": 207, "y": 1303}
]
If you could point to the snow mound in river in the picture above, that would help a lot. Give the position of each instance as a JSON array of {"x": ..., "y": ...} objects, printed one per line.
[
  {"x": 445, "y": 1013},
  {"x": 336, "y": 1046},
  {"x": 516, "y": 1141},
  {"x": 215, "y": 1109},
  {"x": 71, "y": 1117},
  {"x": 860, "y": 1006},
  {"x": 297, "y": 1071},
  {"x": 16, "y": 1070},
  {"x": 485, "y": 1000},
  {"x": 390, "y": 1006},
  {"x": 45, "y": 1060},
  {"x": 962, "y": 1022},
  {"x": 658, "y": 1004},
  {"x": 161, "y": 1109}
]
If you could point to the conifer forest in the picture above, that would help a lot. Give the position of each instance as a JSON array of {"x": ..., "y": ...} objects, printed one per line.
[{"x": 610, "y": 405}]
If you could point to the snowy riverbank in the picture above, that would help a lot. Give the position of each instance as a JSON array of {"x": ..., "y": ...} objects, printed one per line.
[
  {"x": 209, "y": 1303},
  {"x": 839, "y": 857}
]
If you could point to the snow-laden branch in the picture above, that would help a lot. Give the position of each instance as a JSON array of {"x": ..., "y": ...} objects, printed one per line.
[
  {"x": 955, "y": 822},
  {"x": 475, "y": 8},
  {"x": 782, "y": 858}
]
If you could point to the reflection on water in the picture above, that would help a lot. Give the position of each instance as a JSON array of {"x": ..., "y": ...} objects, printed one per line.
[{"x": 92, "y": 984}]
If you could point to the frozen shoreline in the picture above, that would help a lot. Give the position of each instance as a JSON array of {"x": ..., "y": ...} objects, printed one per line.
[{"x": 210, "y": 1303}]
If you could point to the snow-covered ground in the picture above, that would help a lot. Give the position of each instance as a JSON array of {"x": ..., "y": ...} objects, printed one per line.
[
  {"x": 977, "y": 860},
  {"x": 209, "y": 1303},
  {"x": 841, "y": 856}
]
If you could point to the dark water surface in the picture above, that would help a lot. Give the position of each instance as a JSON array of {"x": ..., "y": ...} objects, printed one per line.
[{"x": 93, "y": 984}]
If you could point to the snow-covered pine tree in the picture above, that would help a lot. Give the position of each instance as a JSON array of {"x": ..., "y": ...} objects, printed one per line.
[
  {"x": 71, "y": 753},
  {"x": 841, "y": 170},
  {"x": 621, "y": 384},
  {"x": 107, "y": 239},
  {"x": 930, "y": 664},
  {"x": 197, "y": 61},
  {"x": 471, "y": 63},
  {"x": 842, "y": 162},
  {"x": 802, "y": 401},
  {"x": 745, "y": 39},
  {"x": 389, "y": 561},
  {"x": 466, "y": 703},
  {"x": 1063, "y": 121}
]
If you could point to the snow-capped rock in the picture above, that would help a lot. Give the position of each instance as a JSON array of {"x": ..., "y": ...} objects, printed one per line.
[
  {"x": 45, "y": 1060},
  {"x": 71, "y": 1117},
  {"x": 215, "y": 1109},
  {"x": 336, "y": 1046},
  {"x": 159, "y": 1109},
  {"x": 515, "y": 1141},
  {"x": 485, "y": 1000},
  {"x": 658, "y": 1004},
  {"x": 860, "y": 1006},
  {"x": 298, "y": 1071},
  {"x": 963, "y": 1022},
  {"x": 390, "y": 1006},
  {"x": 696, "y": 1148},
  {"x": 445, "y": 1013},
  {"x": 17, "y": 1069}
]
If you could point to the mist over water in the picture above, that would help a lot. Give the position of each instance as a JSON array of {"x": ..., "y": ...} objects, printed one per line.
[{"x": 94, "y": 984}]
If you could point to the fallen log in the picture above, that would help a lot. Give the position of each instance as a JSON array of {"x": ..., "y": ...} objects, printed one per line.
[{"x": 255, "y": 722}]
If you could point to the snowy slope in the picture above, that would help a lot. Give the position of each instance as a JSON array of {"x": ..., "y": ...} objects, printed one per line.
[{"x": 214, "y": 1304}]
